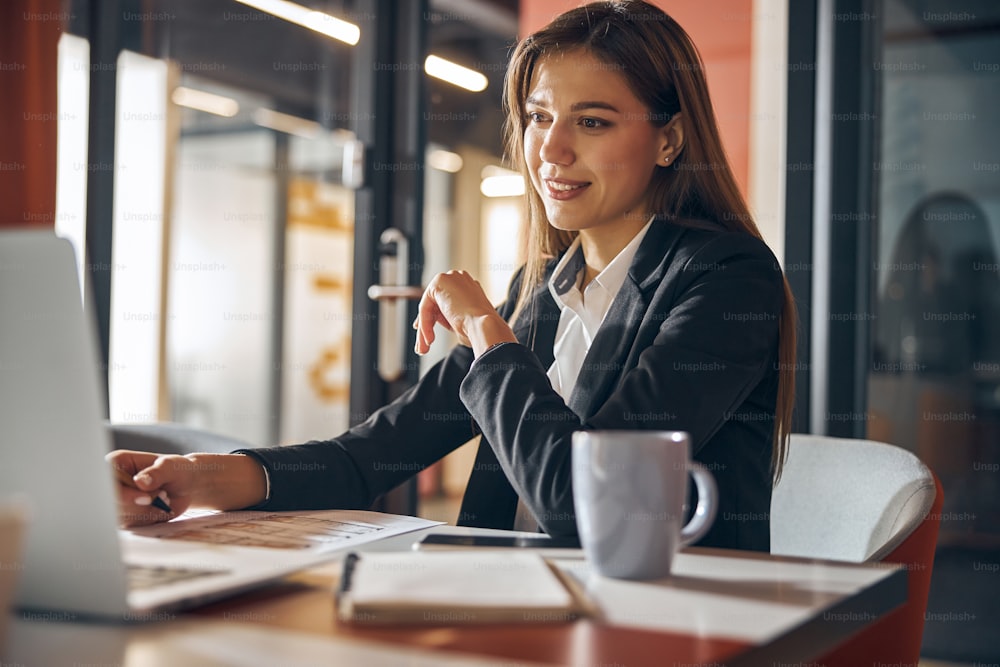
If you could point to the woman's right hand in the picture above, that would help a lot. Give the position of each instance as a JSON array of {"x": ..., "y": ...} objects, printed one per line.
[
  {"x": 142, "y": 477},
  {"x": 210, "y": 481}
]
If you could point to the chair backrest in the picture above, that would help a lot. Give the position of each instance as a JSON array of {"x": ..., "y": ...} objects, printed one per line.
[
  {"x": 171, "y": 438},
  {"x": 891, "y": 502},
  {"x": 849, "y": 500}
]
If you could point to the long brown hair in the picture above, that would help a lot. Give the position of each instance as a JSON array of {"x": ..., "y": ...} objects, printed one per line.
[{"x": 664, "y": 70}]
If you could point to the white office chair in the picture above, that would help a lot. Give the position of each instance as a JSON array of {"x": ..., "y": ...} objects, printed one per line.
[{"x": 849, "y": 500}]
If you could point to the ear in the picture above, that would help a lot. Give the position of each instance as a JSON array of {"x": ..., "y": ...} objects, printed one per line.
[{"x": 671, "y": 138}]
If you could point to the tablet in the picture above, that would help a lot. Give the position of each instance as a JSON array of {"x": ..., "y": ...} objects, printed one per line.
[{"x": 435, "y": 540}]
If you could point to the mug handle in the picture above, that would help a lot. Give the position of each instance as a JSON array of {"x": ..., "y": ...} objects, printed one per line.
[{"x": 708, "y": 503}]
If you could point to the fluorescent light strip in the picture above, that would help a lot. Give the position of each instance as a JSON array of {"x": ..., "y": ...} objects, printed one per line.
[
  {"x": 496, "y": 170},
  {"x": 443, "y": 160},
  {"x": 321, "y": 22},
  {"x": 283, "y": 122},
  {"x": 502, "y": 186},
  {"x": 204, "y": 101},
  {"x": 455, "y": 74}
]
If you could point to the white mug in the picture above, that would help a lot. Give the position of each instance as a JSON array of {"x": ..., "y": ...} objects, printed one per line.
[{"x": 630, "y": 491}]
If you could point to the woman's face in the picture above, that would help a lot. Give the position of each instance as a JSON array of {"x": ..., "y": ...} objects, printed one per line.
[{"x": 589, "y": 146}]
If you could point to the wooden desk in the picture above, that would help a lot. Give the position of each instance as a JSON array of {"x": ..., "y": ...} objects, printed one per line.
[{"x": 719, "y": 607}]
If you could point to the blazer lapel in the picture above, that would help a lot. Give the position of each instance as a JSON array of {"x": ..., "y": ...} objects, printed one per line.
[
  {"x": 537, "y": 331},
  {"x": 603, "y": 364},
  {"x": 605, "y": 361}
]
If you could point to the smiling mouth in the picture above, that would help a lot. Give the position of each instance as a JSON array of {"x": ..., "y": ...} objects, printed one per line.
[
  {"x": 563, "y": 190},
  {"x": 564, "y": 187}
]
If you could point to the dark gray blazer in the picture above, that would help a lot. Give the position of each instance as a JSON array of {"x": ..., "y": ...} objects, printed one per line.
[{"x": 689, "y": 343}]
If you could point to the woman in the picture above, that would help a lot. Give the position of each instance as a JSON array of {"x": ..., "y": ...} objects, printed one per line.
[{"x": 648, "y": 301}]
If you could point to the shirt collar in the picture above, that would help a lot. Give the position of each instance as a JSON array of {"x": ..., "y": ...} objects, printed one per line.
[{"x": 567, "y": 272}]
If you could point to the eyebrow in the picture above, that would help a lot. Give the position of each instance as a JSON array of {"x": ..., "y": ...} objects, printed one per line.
[{"x": 579, "y": 106}]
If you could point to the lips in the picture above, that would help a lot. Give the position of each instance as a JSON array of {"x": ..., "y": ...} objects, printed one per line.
[{"x": 562, "y": 189}]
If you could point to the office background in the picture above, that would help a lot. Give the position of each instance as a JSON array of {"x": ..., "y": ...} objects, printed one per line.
[{"x": 231, "y": 174}]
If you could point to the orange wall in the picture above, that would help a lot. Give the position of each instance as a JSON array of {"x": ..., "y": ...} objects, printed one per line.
[
  {"x": 721, "y": 30},
  {"x": 29, "y": 38}
]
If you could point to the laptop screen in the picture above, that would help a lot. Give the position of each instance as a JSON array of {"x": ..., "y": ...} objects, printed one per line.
[{"x": 53, "y": 439}]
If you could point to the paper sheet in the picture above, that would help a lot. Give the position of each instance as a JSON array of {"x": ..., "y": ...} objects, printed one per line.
[{"x": 316, "y": 531}]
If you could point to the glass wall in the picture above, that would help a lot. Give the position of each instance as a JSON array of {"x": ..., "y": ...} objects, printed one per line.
[
  {"x": 232, "y": 227},
  {"x": 934, "y": 384},
  {"x": 255, "y": 206}
]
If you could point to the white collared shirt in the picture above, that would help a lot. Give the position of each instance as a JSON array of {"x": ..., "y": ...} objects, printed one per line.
[{"x": 581, "y": 313}]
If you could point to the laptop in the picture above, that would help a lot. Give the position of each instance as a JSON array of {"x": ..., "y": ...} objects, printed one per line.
[{"x": 52, "y": 446}]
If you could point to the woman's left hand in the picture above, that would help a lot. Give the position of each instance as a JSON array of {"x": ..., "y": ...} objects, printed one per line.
[{"x": 457, "y": 301}]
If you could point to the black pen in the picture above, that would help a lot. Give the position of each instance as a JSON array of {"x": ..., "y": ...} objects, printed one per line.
[
  {"x": 158, "y": 503},
  {"x": 350, "y": 561}
]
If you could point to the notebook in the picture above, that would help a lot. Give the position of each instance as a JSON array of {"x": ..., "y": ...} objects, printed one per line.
[
  {"x": 457, "y": 587},
  {"x": 52, "y": 447}
]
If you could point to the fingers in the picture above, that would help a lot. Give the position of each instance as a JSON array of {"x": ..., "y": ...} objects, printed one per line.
[
  {"x": 163, "y": 473},
  {"x": 450, "y": 298},
  {"x": 135, "y": 508},
  {"x": 425, "y": 334},
  {"x": 145, "y": 484},
  {"x": 424, "y": 324},
  {"x": 428, "y": 313},
  {"x": 127, "y": 463}
]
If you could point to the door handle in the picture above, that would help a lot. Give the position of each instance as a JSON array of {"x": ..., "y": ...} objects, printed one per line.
[{"x": 392, "y": 295}]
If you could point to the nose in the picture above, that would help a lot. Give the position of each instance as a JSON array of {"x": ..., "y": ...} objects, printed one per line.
[{"x": 557, "y": 147}]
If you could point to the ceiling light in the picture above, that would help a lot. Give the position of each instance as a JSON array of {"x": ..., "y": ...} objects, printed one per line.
[
  {"x": 502, "y": 186},
  {"x": 496, "y": 170},
  {"x": 321, "y": 22},
  {"x": 205, "y": 101},
  {"x": 455, "y": 74},
  {"x": 444, "y": 160},
  {"x": 283, "y": 122}
]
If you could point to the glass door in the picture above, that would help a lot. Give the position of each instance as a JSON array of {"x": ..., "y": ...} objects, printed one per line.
[
  {"x": 233, "y": 227},
  {"x": 254, "y": 222}
]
